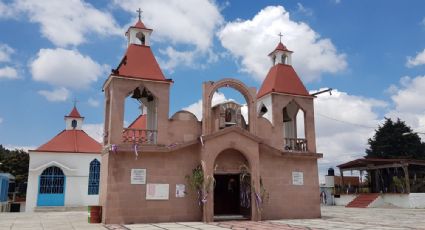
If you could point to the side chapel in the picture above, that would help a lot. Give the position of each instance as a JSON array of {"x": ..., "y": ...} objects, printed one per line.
[{"x": 257, "y": 169}]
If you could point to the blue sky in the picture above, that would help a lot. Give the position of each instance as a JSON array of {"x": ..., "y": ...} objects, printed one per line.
[{"x": 371, "y": 52}]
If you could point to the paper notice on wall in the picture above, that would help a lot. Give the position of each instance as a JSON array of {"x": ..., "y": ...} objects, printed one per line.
[
  {"x": 138, "y": 176},
  {"x": 297, "y": 178},
  {"x": 180, "y": 190},
  {"x": 157, "y": 191}
]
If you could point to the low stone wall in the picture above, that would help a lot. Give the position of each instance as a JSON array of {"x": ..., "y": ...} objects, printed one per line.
[
  {"x": 412, "y": 200},
  {"x": 343, "y": 200}
]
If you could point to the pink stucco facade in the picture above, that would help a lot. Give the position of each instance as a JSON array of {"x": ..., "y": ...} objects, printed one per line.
[{"x": 178, "y": 144}]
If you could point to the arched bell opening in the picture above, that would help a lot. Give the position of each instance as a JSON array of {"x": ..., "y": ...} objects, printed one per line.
[
  {"x": 140, "y": 112},
  {"x": 293, "y": 117}
]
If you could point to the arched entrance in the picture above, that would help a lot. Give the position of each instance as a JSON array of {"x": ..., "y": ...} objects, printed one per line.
[
  {"x": 51, "y": 187},
  {"x": 232, "y": 190}
]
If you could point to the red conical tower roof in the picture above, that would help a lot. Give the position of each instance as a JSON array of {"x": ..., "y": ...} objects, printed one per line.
[
  {"x": 280, "y": 47},
  {"x": 282, "y": 78},
  {"x": 74, "y": 113}
]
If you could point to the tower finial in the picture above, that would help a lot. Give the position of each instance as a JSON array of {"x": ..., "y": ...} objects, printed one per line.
[
  {"x": 140, "y": 14},
  {"x": 280, "y": 36},
  {"x": 75, "y": 102}
]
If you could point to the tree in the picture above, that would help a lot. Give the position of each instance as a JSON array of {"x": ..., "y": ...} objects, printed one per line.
[
  {"x": 395, "y": 140},
  {"x": 14, "y": 162}
]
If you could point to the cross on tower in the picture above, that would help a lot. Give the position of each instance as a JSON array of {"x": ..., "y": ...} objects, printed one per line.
[
  {"x": 140, "y": 14},
  {"x": 280, "y": 36},
  {"x": 75, "y": 102}
]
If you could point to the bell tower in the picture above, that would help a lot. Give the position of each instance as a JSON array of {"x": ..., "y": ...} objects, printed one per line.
[
  {"x": 139, "y": 34},
  {"x": 74, "y": 121},
  {"x": 137, "y": 77},
  {"x": 283, "y": 100}
]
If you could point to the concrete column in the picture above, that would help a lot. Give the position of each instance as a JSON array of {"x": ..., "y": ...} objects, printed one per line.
[
  {"x": 116, "y": 115},
  {"x": 406, "y": 177}
]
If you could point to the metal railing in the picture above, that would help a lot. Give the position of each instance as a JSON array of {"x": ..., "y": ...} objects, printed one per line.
[
  {"x": 139, "y": 136},
  {"x": 295, "y": 144}
]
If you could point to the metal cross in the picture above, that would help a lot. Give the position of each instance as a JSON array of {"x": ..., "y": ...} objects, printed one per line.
[
  {"x": 140, "y": 13},
  {"x": 75, "y": 102},
  {"x": 280, "y": 36}
]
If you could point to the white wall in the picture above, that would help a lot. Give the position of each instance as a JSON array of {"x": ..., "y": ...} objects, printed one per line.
[
  {"x": 412, "y": 200},
  {"x": 76, "y": 168},
  {"x": 343, "y": 200},
  {"x": 267, "y": 101}
]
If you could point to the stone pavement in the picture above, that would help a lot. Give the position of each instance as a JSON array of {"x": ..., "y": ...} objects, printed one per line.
[
  {"x": 332, "y": 218},
  {"x": 46, "y": 221}
]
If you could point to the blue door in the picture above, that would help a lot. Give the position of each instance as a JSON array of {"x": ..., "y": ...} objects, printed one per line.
[{"x": 51, "y": 187}]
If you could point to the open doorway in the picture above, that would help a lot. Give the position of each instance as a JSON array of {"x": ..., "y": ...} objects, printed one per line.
[{"x": 232, "y": 197}]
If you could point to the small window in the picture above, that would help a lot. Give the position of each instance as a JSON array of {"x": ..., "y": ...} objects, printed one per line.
[
  {"x": 74, "y": 124},
  {"x": 263, "y": 110},
  {"x": 94, "y": 177},
  {"x": 283, "y": 59},
  {"x": 141, "y": 37}
]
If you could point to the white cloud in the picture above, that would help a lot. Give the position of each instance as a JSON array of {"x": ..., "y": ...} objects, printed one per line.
[
  {"x": 65, "y": 68},
  {"x": 196, "y": 108},
  {"x": 68, "y": 22},
  {"x": 252, "y": 40},
  {"x": 192, "y": 21},
  {"x": 419, "y": 59},
  {"x": 1, "y": 120},
  {"x": 95, "y": 131},
  {"x": 60, "y": 94},
  {"x": 93, "y": 102},
  {"x": 193, "y": 27},
  {"x": 5, "y": 52},
  {"x": 408, "y": 101},
  {"x": 6, "y": 11},
  {"x": 8, "y": 72},
  {"x": 176, "y": 58},
  {"x": 302, "y": 9},
  {"x": 344, "y": 123},
  {"x": 16, "y": 147}
]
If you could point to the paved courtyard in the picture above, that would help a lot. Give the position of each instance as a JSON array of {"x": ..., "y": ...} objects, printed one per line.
[{"x": 332, "y": 218}]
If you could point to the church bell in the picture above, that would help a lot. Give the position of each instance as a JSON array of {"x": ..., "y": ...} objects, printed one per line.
[{"x": 286, "y": 117}]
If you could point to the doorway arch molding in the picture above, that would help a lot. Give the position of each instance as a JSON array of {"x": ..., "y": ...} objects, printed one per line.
[{"x": 248, "y": 148}]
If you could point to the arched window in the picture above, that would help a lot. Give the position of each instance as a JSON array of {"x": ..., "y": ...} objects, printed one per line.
[
  {"x": 284, "y": 59},
  {"x": 52, "y": 181},
  {"x": 74, "y": 124},
  {"x": 94, "y": 177},
  {"x": 141, "y": 37}
]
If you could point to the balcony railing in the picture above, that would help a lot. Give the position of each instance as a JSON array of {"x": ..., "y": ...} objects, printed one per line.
[
  {"x": 295, "y": 144},
  {"x": 139, "y": 136}
]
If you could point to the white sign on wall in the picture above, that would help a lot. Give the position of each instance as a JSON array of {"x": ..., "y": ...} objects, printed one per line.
[
  {"x": 138, "y": 176},
  {"x": 297, "y": 178},
  {"x": 180, "y": 190},
  {"x": 157, "y": 191}
]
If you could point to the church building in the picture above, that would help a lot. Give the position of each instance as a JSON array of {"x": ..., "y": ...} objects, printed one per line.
[
  {"x": 180, "y": 169},
  {"x": 65, "y": 171}
]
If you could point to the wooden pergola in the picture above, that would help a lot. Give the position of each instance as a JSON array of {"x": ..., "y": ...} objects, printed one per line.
[{"x": 375, "y": 164}]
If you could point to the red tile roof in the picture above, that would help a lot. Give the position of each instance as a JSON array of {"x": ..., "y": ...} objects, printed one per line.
[
  {"x": 139, "y": 62},
  {"x": 281, "y": 47},
  {"x": 282, "y": 79},
  {"x": 74, "y": 113},
  {"x": 139, "y": 24},
  {"x": 71, "y": 141},
  {"x": 139, "y": 123}
]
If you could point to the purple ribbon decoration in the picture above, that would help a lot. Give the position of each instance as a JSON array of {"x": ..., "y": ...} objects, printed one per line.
[{"x": 114, "y": 148}]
